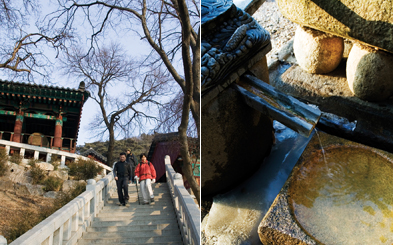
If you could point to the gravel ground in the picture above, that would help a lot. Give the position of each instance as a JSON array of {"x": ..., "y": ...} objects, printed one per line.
[{"x": 280, "y": 28}]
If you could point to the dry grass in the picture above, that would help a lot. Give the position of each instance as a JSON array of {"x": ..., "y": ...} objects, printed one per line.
[{"x": 21, "y": 213}]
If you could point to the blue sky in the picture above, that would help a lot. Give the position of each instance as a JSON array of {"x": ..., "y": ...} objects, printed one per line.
[{"x": 129, "y": 40}]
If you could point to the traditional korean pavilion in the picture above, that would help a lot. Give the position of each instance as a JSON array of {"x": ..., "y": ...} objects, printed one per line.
[{"x": 41, "y": 115}]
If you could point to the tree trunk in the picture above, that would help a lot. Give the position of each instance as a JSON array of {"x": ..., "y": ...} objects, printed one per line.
[{"x": 111, "y": 146}]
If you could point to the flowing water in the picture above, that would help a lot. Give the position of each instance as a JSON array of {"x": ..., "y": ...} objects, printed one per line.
[
  {"x": 323, "y": 153},
  {"x": 345, "y": 197}
]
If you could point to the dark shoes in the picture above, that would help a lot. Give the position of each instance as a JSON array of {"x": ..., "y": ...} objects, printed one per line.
[
  {"x": 121, "y": 204},
  {"x": 152, "y": 199},
  {"x": 145, "y": 203}
]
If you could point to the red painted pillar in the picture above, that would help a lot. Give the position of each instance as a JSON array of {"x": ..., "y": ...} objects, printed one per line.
[
  {"x": 18, "y": 127},
  {"x": 58, "y": 132}
]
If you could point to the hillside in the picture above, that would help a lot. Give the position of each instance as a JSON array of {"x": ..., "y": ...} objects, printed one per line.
[{"x": 137, "y": 145}]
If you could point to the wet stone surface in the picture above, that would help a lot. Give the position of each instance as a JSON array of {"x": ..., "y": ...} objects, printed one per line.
[{"x": 339, "y": 195}]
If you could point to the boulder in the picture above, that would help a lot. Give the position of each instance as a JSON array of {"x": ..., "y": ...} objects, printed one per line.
[
  {"x": 70, "y": 184},
  {"x": 29, "y": 189},
  {"x": 53, "y": 194},
  {"x": 45, "y": 166},
  {"x": 316, "y": 51},
  {"x": 59, "y": 174},
  {"x": 18, "y": 174},
  {"x": 370, "y": 73},
  {"x": 235, "y": 140},
  {"x": 370, "y": 22}
]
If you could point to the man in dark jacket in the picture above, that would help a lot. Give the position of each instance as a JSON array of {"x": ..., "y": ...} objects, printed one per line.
[
  {"x": 131, "y": 159},
  {"x": 122, "y": 173}
]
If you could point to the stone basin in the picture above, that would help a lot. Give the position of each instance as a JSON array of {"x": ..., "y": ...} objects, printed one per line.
[{"x": 338, "y": 195}]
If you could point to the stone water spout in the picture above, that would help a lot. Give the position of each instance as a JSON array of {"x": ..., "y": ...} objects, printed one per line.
[
  {"x": 232, "y": 42},
  {"x": 237, "y": 109}
]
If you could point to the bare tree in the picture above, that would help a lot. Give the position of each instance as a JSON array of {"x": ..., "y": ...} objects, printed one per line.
[
  {"x": 171, "y": 29},
  {"x": 124, "y": 97},
  {"x": 24, "y": 53}
]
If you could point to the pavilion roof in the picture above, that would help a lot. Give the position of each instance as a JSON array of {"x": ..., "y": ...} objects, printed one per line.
[{"x": 47, "y": 93}]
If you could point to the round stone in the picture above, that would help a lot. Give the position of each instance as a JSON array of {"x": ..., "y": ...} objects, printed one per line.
[
  {"x": 316, "y": 51},
  {"x": 369, "y": 73},
  {"x": 235, "y": 140}
]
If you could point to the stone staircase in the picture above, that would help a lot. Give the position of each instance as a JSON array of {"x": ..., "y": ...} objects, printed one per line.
[{"x": 135, "y": 224}]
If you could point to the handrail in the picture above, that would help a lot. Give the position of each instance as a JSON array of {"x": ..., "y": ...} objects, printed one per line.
[
  {"x": 49, "y": 152},
  {"x": 67, "y": 224},
  {"x": 187, "y": 212},
  {"x": 42, "y": 136}
]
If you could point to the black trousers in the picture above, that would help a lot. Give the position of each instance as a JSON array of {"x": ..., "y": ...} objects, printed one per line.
[{"x": 122, "y": 185}]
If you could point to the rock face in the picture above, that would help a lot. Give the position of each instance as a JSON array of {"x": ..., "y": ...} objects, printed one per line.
[
  {"x": 235, "y": 139},
  {"x": 18, "y": 174},
  {"x": 52, "y": 194},
  {"x": 29, "y": 189},
  {"x": 70, "y": 184},
  {"x": 316, "y": 51},
  {"x": 45, "y": 166},
  {"x": 367, "y": 21},
  {"x": 59, "y": 174},
  {"x": 370, "y": 73}
]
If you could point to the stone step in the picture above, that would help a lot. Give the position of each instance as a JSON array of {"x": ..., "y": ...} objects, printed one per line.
[
  {"x": 143, "y": 212},
  {"x": 134, "y": 218},
  {"x": 133, "y": 203},
  {"x": 169, "y": 220},
  {"x": 130, "y": 208},
  {"x": 155, "y": 243},
  {"x": 156, "y": 197},
  {"x": 131, "y": 234},
  {"x": 166, "y": 226},
  {"x": 141, "y": 240},
  {"x": 131, "y": 193}
]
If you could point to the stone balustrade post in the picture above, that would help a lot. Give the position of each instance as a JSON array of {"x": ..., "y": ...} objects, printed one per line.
[
  {"x": 48, "y": 157},
  {"x": 178, "y": 179},
  {"x": 3, "y": 241},
  {"x": 7, "y": 149},
  {"x": 36, "y": 155},
  {"x": 91, "y": 186},
  {"x": 22, "y": 152},
  {"x": 62, "y": 161}
]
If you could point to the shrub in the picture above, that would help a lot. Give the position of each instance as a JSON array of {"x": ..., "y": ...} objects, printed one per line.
[
  {"x": 84, "y": 169},
  {"x": 16, "y": 158},
  {"x": 55, "y": 161},
  {"x": 78, "y": 189},
  {"x": 3, "y": 162},
  {"x": 37, "y": 174},
  {"x": 52, "y": 183}
]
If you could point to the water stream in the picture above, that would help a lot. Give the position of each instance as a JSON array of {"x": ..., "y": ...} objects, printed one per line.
[
  {"x": 323, "y": 153},
  {"x": 235, "y": 216}
]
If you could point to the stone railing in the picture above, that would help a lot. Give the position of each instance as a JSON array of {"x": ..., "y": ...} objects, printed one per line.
[
  {"x": 22, "y": 148},
  {"x": 187, "y": 212},
  {"x": 67, "y": 224}
]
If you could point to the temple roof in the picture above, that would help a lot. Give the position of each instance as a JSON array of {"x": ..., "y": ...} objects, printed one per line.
[
  {"x": 47, "y": 93},
  {"x": 91, "y": 151}
]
